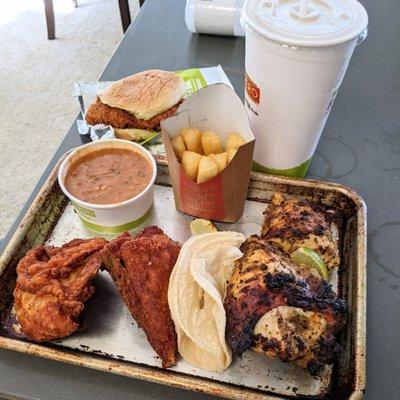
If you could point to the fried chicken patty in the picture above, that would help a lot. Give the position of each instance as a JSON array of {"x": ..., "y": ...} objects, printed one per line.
[{"x": 100, "y": 113}]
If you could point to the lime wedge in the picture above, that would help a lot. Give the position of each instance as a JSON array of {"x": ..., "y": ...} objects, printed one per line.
[
  {"x": 199, "y": 226},
  {"x": 308, "y": 257}
]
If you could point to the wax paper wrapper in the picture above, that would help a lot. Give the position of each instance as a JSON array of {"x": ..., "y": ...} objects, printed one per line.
[{"x": 86, "y": 92}]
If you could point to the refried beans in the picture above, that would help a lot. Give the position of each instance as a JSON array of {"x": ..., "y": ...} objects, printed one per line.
[{"x": 108, "y": 176}]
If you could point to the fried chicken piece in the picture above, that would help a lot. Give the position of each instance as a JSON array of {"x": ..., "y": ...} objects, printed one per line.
[
  {"x": 281, "y": 309},
  {"x": 293, "y": 223},
  {"x": 141, "y": 267},
  {"x": 52, "y": 285},
  {"x": 100, "y": 113}
]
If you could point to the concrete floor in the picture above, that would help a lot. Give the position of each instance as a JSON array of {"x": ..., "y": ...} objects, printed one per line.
[{"x": 36, "y": 80}]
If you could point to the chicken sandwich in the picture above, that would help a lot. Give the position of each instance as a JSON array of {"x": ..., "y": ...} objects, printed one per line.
[{"x": 137, "y": 104}]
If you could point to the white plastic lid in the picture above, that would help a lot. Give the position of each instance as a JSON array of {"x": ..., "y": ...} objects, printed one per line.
[{"x": 306, "y": 22}]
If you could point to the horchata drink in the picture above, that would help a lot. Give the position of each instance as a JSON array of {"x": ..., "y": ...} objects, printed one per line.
[{"x": 297, "y": 52}]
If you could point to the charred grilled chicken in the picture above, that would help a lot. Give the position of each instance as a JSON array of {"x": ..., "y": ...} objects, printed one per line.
[
  {"x": 281, "y": 309},
  {"x": 293, "y": 223}
]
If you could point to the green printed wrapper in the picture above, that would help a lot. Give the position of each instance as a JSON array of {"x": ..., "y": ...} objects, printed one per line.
[{"x": 194, "y": 80}]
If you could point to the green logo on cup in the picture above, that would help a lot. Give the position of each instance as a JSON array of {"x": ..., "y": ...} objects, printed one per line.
[{"x": 84, "y": 211}]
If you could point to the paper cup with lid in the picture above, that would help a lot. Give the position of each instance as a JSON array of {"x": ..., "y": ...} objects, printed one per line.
[
  {"x": 297, "y": 52},
  {"x": 111, "y": 218}
]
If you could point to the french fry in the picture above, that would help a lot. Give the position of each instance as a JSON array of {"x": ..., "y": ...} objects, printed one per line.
[
  {"x": 231, "y": 154},
  {"x": 220, "y": 159},
  {"x": 179, "y": 146},
  {"x": 192, "y": 137},
  {"x": 211, "y": 143},
  {"x": 190, "y": 164},
  {"x": 207, "y": 169},
  {"x": 233, "y": 141}
]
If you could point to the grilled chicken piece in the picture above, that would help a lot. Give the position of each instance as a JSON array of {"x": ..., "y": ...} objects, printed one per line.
[
  {"x": 281, "y": 309},
  {"x": 290, "y": 224}
]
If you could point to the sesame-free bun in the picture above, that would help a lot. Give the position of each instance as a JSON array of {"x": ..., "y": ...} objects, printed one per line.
[{"x": 145, "y": 94}]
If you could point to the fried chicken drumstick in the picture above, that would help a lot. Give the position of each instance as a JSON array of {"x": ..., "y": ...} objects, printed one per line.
[
  {"x": 140, "y": 267},
  {"x": 52, "y": 285},
  {"x": 281, "y": 309}
]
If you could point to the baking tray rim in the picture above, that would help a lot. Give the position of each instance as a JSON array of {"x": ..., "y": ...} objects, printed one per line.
[{"x": 178, "y": 379}]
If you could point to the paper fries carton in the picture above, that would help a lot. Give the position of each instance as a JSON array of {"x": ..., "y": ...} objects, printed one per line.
[{"x": 219, "y": 109}]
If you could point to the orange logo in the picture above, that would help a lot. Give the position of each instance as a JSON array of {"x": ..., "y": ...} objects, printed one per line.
[{"x": 252, "y": 90}]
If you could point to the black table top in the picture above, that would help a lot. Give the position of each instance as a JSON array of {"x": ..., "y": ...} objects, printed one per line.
[{"x": 360, "y": 148}]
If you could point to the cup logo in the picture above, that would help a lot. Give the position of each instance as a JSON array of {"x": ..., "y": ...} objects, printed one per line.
[{"x": 252, "y": 90}]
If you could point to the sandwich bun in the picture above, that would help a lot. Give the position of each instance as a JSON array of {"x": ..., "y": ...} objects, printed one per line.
[{"x": 145, "y": 94}]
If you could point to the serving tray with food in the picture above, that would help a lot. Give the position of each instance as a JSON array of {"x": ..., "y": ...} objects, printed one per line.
[{"x": 230, "y": 282}]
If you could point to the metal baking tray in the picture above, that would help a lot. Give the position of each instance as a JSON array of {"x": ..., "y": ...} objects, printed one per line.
[{"x": 112, "y": 342}]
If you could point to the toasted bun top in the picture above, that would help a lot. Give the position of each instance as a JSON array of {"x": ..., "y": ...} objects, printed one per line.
[{"x": 145, "y": 94}]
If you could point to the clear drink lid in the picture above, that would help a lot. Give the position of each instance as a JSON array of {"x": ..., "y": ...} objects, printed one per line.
[{"x": 306, "y": 22}]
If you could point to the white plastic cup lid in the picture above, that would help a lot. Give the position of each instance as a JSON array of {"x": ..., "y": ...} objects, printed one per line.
[{"x": 306, "y": 22}]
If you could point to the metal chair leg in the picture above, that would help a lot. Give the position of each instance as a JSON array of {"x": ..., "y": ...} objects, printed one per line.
[
  {"x": 50, "y": 21},
  {"x": 125, "y": 14}
]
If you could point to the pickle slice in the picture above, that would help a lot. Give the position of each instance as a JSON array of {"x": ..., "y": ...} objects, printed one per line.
[{"x": 199, "y": 226}]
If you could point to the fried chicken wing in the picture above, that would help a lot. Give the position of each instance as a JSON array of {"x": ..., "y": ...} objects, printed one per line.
[
  {"x": 293, "y": 223},
  {"x": 281, "y": 309},
  {"x": 52, "y": 285},
  {"x": 100, "y": 113},
  {"x": 141, "y": 267}
]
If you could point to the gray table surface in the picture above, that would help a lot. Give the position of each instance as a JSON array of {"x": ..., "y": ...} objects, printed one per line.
[{"x": 360, "y": 147}]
